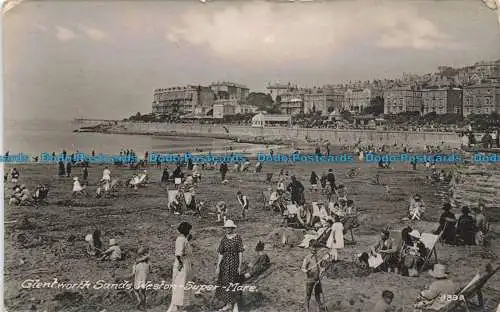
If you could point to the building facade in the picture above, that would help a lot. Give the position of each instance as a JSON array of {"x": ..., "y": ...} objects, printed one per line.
[
  {"x": 481, "y": 100},
  {"x": 356, "y": 100},
  {"x": 230, "y": 91},
  {"x": 400, "y": 100},
  {"x": 292, "y": 103},
  {"x": 182, "y": 100},
  {"x": 324, "y": 101},
  {"x": 277, "y": 89},
  {"x": 223, "y": 108},
  {"x": 442, "y": 101}
]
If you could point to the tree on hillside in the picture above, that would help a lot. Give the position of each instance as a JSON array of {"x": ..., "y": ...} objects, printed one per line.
[
  {"x": 376, "y": 106},
  {"x": 261, "y": 100},
  {"x": 347, "y": 115}
]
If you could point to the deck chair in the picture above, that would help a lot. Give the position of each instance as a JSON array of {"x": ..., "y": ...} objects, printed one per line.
[
  {"x": 471, "y": 290},
  {"x": 429, "y": 241}
]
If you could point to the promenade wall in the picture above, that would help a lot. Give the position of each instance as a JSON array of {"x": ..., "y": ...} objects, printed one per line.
[{"x": 334, "y": 136}]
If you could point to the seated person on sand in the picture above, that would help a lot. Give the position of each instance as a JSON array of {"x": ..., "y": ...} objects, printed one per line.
[
  {"x": 260, "y": 264},
  {"x": 113, "y": 253},
  {"x": 320, "y": 234},
  {"x": 387, "y": 248},
  {"x": 341, "y": 192},
  {"x": 417, "y": 207},
  {"x": 319, "y": 213},
  {"x": 413, "y": 253},
  {"x": 384, "y": 304},
  {"x": 447, "y": 225},
  {"x": 15, "y": 198},
  {"x": 77, "y": 187},
  {"x": 176, "y": 204},
  {"x": 25, "y": 196},
  {"x": 297, "y": 216},
  {"x": 466, "y": 228},
  {"x": 334, "y": 209},
  {"x": 432, "y": 297},
  {"x": 41, "y": 192},
  {"x": 94, "y": 244}
]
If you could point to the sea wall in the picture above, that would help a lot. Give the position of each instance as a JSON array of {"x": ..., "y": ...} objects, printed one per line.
[{"x": 334, "y": 136}]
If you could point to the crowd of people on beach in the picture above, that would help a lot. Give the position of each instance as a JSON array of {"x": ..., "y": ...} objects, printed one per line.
[{"x": 328, "y": 216}]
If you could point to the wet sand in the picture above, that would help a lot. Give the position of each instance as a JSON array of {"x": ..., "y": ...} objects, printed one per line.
[{"x": 140, "y": 217}]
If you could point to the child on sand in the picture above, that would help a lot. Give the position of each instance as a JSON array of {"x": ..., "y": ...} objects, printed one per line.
[
  {"x": 140, "y": 272},
  {"x": 113, "y": 253},
  {"x": 311, "y": 267},
  {"x": 384, "y": 303}
]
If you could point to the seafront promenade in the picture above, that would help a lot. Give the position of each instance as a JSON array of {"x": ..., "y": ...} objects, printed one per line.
[{"x": 334, "y": 136}]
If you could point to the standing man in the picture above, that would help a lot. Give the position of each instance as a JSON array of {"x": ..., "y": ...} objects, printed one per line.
[
  {"x": 296, "y": 189},
  {"x": 243, "y": 200},
  {"x": 330, "y": 177},
  {"x": 223, "y": 170}
]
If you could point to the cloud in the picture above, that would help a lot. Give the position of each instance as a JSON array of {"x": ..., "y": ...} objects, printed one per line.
[
  {"x": 93, "y": 33},
  {"x": 65, "y": 34},
  {"x": 9, "y": 5},
  {"x": 419, "y": 34},
  {"x": 265, "y": 31}
]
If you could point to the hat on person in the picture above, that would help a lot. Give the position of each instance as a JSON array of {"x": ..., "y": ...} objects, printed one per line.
[
  {"x": 221, "y": 204},
  {"x": 229, "y": 224},
  {"x": 447, "y": 206},
  {"x": 75, "y": 179},
  {"x": 439, "y": 271},
  {"x": 112, "y": 242},
  {"x": 415, "y": 234},
  {"x": 23, "y": 187},
  {"x": 465, "y": 209},
  {"x": 417, "y": 196}
]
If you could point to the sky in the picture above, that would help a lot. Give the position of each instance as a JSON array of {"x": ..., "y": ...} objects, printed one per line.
[{"x": 69, "y": 59}]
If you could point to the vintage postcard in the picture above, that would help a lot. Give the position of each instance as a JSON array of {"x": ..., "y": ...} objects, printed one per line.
[{"x": 258, "y": 156}]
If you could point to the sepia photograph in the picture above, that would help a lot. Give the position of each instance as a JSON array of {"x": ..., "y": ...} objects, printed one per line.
[{"x": 251, "y": 155}]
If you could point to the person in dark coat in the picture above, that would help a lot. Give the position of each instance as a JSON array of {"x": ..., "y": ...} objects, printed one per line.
[
  {"x": 85, "y": 174},
  {"x": 223, "y": 170},
  {"x": 165, "y": 176},
  {"x": 68, "y": 168},
  {"x": 62, "y": 170},
  {"x": 296, "y": 189},
  {"x": 330, "y": 177},
  {"x": 314, "y": 181},
  {"x": 466, "y": 228},
  {"x": 447, "y": 223}
]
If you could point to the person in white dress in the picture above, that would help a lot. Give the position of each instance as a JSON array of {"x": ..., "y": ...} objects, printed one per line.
[
  {"x": 77, "y": 187},
  {"x": 336, "y": 239},
  {"x": 106, "y": 174},
  {"x": 182, "y": 267}
]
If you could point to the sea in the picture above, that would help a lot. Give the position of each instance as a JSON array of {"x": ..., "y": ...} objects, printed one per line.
[{"x": 35, "y": 137}]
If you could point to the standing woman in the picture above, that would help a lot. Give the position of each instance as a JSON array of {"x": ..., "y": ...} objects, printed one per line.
[
  {"x": 229, "y": 264},
  {"x": 182, "y": 267}
]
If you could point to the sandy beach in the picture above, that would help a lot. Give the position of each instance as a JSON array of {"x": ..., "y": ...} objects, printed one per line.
[{"x": 53, "y": 245}]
